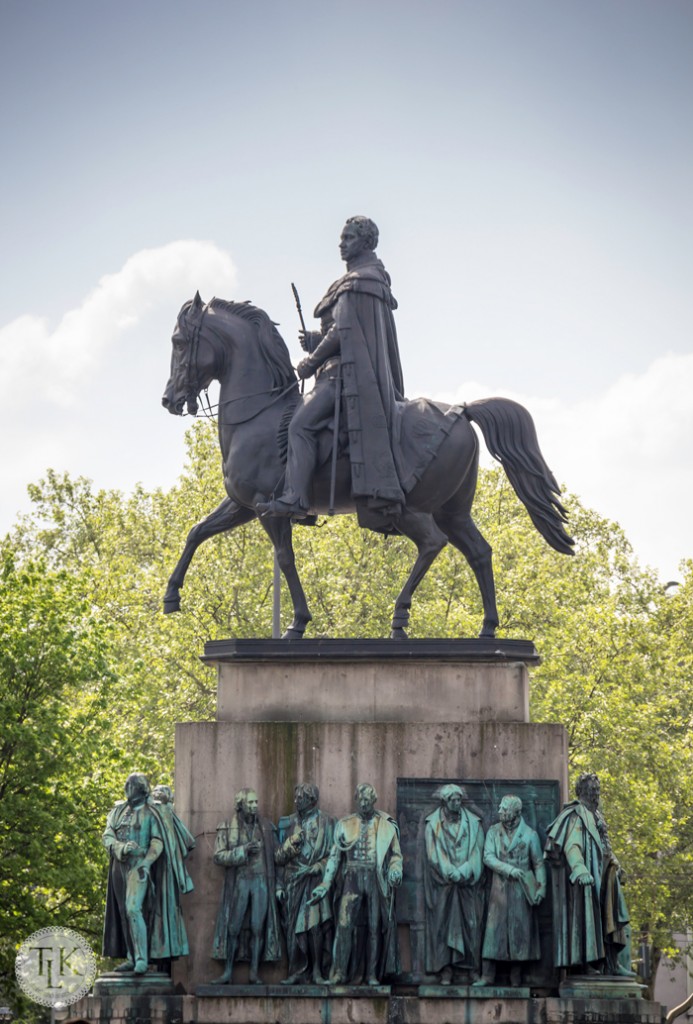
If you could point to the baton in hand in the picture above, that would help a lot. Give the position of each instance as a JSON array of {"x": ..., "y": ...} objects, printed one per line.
[{"x": 294, "y": 289}]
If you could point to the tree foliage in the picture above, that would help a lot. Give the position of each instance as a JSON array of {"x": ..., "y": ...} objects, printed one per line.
[
  {"x": 617, "y": 666},
  {"x": 55, "y": 680}
]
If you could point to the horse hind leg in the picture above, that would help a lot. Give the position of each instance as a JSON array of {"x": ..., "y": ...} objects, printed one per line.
[
  {"x": 430, "y": 541},
  {"x": 226, "y": 516},
  {"x": 279, "y": 532},
  {"x": 463, "y": 533}
]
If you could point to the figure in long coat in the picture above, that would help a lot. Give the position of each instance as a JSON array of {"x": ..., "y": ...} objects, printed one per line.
[
  {"x": 247, "y": 926},
  {"x": 453, "y": 872},
  {"x": 366, "y": 860},
  {"x": 512, "y": 851},
  {"x": 302, "y": 858},
  {"x": 146, "y": 878},
  {"x": 358, "y": 336},
  {"x": 589, "y": 912}
]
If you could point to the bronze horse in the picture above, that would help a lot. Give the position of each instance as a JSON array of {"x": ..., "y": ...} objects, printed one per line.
[{"x": 238, "y": 345}]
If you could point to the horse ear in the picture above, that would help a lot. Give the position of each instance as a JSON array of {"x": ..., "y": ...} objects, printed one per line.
[{"x": 197, "y": 303}]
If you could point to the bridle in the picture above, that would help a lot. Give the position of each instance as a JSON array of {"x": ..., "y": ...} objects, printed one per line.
[{"x": 192, "y": 378}]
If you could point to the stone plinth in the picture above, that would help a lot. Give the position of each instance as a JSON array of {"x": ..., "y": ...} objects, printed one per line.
[
  {"x": 372, "y": 680},
  {"x": 342, "y": 712},
  {"x": 266, "y": 1005},
  {"x": 403, "y": 716}
]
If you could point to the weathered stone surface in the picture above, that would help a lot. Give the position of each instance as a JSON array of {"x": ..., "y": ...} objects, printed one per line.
[
  {"x": 363, "y": 1007},
  {"x": 214, "y": 758},
  {"x": 372, "y": 681}
]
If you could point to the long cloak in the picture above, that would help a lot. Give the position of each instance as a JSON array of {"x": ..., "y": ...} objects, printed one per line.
[
  {"x": 272, "y": 937},
  {"x": 300, "y": 879},
  {"x": 361, "y": 305},
  {"x": 577, "y": 922},
  {"x": 166, "y": 935},
  {"x": 512, "y": 930},
  {"x": 454, "y": 910}
]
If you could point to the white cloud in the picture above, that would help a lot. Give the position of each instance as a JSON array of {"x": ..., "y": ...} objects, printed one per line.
[
  {"x": 626, "y": 452},
  {"x": 51, "y": 362},
  {"x": 83, "y": 396}
]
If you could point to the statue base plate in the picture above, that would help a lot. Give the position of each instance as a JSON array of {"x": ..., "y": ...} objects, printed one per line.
[
  {"x": 469, "y": 992},
  {"x": 294, "y": 991},
  {"x": 127, "y": 983},
  {"x": 595, "y": 986},
  {"x": 361, "y": 1006}
]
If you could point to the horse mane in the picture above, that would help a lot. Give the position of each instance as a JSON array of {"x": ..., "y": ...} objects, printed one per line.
[
  {"x": 283, "y": 428},
  {"x": 270, "y": 344}
]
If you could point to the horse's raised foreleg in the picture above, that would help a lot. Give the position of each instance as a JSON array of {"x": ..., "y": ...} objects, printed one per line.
[
  {"x": 464, "y": 534},
  {"x": 279, "y": 532},
  {"x": 430, "y": 541},
  {"x": 225, "y": 516}
]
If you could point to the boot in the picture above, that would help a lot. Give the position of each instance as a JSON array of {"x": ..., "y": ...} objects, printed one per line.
[
  {"x": 253, "y": 976},
  {"x": 373, "y": 978},
  {"x": 516, "y": 975},
  {"x": 315, "y": 940}
]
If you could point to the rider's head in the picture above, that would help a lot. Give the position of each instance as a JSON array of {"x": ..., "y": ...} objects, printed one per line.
[{"x": 366, "y": 229}]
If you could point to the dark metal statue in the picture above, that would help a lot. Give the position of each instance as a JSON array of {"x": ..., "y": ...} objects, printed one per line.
[
  {"x": 453, "y": 885},
  {"x": 354, "y": 355},
  {"x": 148, "y": 844},
  {"x": 590, "y": 917},
  {"x": 247, "y": 926},
  {"x": 513, "y": 853},
  {"x": 365, "y": 863},
  {"x": 302, "y": 858},
  {"x": 410, "y": 467}
]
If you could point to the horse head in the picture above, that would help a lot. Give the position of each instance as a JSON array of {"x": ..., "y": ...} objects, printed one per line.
[
  {"x": 185, "y": 383},
  {"x": 213, "y": 339}
]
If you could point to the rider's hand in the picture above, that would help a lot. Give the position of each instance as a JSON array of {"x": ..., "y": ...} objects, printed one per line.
[
  {"x": 309, "y": 339},
  {"x": 305, "y": 368}
]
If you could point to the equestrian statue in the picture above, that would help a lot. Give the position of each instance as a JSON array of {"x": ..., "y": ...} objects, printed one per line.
[{"x": 352, "y": 443}]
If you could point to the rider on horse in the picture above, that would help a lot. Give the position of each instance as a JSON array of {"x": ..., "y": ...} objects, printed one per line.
[{"x": 358, "y": 332}]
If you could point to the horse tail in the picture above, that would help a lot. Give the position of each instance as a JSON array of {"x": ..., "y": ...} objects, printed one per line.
[{"x": 511, "y": 438}]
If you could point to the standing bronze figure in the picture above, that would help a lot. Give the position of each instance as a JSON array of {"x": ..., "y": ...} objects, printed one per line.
[
  {"x": 247, "y": 926},
  {"x": 147, "y": 844},
  {"x": 302, "y": 858},
  {"x": 453, "y": 885},
  {"x": 411, "y": 466},
  {"x": 366, "y": 863},
  {"x": 590, "y": 916},
  {"x": 513, "y": 853}
]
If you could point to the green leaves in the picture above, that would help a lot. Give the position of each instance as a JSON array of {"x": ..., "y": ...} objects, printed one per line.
[
  {"x": 82, "y": 584},
  {"x": 55, "y": 682}
]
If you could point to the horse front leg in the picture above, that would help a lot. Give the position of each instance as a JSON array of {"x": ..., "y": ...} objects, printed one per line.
[
  {"x": 226, "y": 516},
  {"x": 279, "y": 532},
  {"x": 430, "y": 541}
]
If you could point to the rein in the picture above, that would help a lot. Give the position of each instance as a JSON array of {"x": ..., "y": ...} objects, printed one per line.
[{"x": 192, "y": 382}]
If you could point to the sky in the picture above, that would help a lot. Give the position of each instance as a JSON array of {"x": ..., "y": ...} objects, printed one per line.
[{"x": 529, "y": 164}]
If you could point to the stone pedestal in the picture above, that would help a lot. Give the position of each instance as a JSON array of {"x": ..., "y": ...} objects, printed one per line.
[
  {"x": 340, "y": 712},
  {"x": 402, "y": 716}
]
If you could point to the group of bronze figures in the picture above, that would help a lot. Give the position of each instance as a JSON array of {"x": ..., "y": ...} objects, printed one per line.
[{"x": 325, "y": 890}]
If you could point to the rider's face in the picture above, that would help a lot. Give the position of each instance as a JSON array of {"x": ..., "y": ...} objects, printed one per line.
[{"x": 351, "y": 243}]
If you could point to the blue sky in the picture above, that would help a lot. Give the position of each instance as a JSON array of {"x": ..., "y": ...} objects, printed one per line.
[{"x": 529, "y": 164}]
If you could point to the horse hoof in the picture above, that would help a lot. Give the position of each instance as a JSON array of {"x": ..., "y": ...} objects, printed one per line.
[
  {"x": 397, "y": 633},
  {"x": 171, "y": 604},
  {"x": 293, "y": 634},
  {"x": 488, "y": 633}
]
